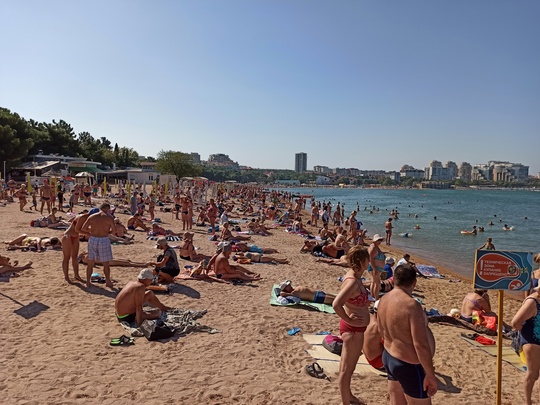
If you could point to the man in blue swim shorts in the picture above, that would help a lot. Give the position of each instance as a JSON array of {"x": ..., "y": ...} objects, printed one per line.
[
  {"x": 305, "y": 293},
  {"x": 409, "y": 345}
]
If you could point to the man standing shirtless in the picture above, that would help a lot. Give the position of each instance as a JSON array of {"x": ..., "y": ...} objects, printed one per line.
[
  {"x": 45, "y": 193},
  {"x": 98, "y": 226},
  {"x": 129, "y": 302},
  {"x": 409, "y": 345},
  {"x": 388, "y": 226}
]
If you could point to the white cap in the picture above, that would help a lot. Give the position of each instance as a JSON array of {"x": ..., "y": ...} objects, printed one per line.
[
  {"x": 377, "y": 237},
  {"x": 146, "y": 274}
]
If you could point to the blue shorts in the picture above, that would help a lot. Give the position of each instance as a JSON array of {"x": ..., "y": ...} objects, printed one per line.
[
  {"x": 255, "y": 249},
  {"x": 410, "y": 376},
  {"x": 319, "y": 297}
]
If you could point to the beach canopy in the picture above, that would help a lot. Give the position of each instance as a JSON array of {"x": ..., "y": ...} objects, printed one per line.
[
  {"x": 51, "y": 173},
  {"x": 84, "y": 174}
]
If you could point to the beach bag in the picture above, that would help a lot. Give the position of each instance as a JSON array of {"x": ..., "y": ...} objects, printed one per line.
[
  {"x": 334, "y": 344},
  {"x": 156, "y": 330},
  {"x": 516, "y": 341}
]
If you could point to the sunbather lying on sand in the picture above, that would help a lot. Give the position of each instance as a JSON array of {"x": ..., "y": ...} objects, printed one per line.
[
  {"x": 6, "y": 267},
  {"x": 250, "y": 257},
  {"x": 305, "y": 293},
  {"x": 83, "y": 259},
  {"x": 25, "y": 242},
  {"x": 342, "y": 261},
  {"x": 244, "y": 247}
]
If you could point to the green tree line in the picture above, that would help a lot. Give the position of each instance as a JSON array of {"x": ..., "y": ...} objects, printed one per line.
[{"x": 20, "y": 137}]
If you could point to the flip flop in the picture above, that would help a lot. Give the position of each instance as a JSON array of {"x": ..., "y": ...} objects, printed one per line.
[
  {"x": 122, "y": 341},
  {"x": 315, "y": 370}
]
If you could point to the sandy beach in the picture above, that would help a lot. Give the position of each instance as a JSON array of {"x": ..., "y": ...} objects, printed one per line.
[{"x": 55, "y": 337}]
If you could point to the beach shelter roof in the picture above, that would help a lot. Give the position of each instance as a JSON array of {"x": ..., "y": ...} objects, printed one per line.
[{"x": 51, "y": 173}]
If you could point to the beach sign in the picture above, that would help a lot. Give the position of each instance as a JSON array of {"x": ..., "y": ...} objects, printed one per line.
[{"x": 499, "y": 270}]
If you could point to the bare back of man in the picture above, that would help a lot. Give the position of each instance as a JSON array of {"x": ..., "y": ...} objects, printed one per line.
[
  {"x": 130, "y": 300},
  {"x": 409, "y": 348},
  {"x": 98, "y": 226}
]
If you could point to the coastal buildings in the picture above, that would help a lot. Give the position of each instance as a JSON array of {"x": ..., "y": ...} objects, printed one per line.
[
  {"x": 300, "y": 162},
  {"x": 465, "y": 171},
  {"x": 411, "y": 172},
  {"x": 437, "y": 172},
  {"x": 221, "y": 160},
  {"x": 499, "y": 171}
]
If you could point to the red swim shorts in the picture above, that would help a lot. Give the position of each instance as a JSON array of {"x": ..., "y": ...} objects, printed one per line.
[
  {"x": 344, "y": 327},
  {"x": 376, "y": 362}
]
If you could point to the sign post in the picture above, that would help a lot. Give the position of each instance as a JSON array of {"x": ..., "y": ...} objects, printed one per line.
[{"x": 498, "y": 270}]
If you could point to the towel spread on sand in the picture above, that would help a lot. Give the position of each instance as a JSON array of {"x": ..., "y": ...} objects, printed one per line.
[
  {"x": 312, "y": 305},
  {"x": 508, "y": 354},
  {"x": 429, "y": 271},
  {"x": 183, "y": 321}
]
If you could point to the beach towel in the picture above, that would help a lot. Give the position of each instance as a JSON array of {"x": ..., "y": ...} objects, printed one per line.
[
  {"x": 330, "y": 361},
  {"x": 306, "y": 304},
  {"x": 182, "y": 321},
  {"x": 508, "y": 354},
  {"x": 169, "y": 238},
  {"x": 461, "y": 322},
  {"x": 429, "y": 271}
]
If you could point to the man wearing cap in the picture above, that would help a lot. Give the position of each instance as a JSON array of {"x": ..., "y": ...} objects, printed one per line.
[
  {"x": 224, "y": 270},
  {"x": 167, "y": 267},
  {"x": 388, "y": 272},
  {"x": 305, "y": 293},
  {"x": 98, "y": 226},
  {"x": 407, "y": 260},
  {"x": 130, "y": 300},
  {"x": 409, "y": 345}
]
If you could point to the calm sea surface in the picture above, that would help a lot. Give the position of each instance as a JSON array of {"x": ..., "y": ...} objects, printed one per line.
[{"x": 440, "y": 240}]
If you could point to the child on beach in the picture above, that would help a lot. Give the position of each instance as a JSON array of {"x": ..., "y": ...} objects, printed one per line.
[
  {"x": 34, "y": 200},
  {"x": 351, "y": 305}
]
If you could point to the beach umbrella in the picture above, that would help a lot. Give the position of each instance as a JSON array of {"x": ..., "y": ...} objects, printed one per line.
[
  {"x": 28, "y": 185},
  {"x": 85, "y": 174},
  {"x": 105, "y": 186}
]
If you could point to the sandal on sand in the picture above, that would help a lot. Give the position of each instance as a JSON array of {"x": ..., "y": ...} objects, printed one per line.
[
  {"x": 122, "y": 341},
  {"x": 471, "y": 336},
  {"x": 315, "y": 370}
]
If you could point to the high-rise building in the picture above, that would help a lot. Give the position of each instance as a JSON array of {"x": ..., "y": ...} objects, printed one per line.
[
  {"x": 465, "y": 172},
  {"x": 300, "y": 162}
]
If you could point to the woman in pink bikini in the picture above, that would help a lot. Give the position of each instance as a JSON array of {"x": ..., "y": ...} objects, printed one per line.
[{"x": 351, "y": 304}]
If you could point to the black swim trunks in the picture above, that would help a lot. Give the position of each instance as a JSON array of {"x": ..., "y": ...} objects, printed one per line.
[
  {"x": 129, "y": 318},
  {"x": 170, "y": 272},
  {"x": 410, "y": 376}
]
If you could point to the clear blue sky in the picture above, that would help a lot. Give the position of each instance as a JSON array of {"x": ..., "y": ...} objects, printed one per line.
[{"x": 367, "y": 84}]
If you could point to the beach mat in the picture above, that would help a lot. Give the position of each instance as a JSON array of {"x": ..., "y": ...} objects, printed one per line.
[
  {"x": 429, "y": 271},
  {"x": 306, "y": 304},
  {"x": 508, "y": 354},
  {"x": 330, "y": 361}
]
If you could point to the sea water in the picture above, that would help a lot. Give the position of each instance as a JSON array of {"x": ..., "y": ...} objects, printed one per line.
[{"x": 441, "y": 215}]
